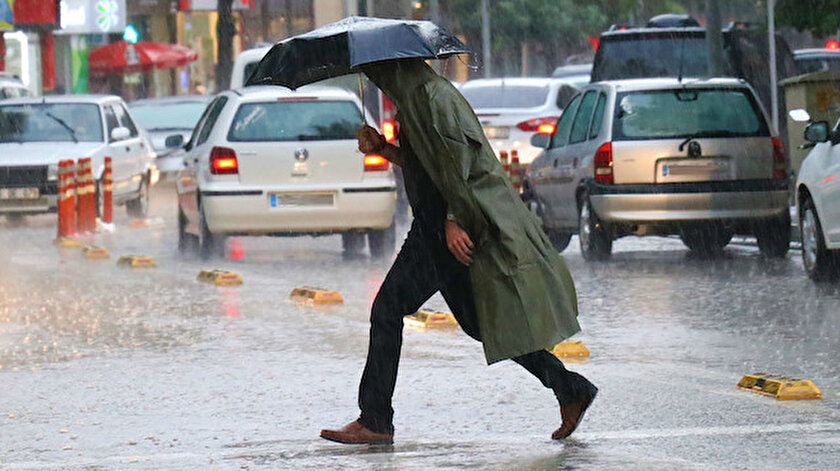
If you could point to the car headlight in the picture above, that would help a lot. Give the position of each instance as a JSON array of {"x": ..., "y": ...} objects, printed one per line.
[{"x": 52, "y": 172}]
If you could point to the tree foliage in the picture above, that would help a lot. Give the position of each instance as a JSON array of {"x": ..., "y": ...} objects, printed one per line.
[{"x": 818, "y": 17}]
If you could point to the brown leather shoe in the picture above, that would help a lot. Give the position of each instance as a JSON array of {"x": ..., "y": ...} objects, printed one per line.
[
  {"x": 571, "y": 414},
  {"x": 357, "y": 434}
]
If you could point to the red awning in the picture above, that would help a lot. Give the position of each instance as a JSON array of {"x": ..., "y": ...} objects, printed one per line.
[{"x": 125, "y": 58}]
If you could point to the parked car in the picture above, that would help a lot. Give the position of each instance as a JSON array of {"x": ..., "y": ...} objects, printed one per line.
[
  {"x": 694, "y": 158},
  {"x": 244, "y": 65},
  {"x": 818, "y": 200},
  {"x": 576, "y": 74},
  {"x": 816, "y": 60},
  {"x": 169, "y": 122},
  {"x": 12, "y": 87},
  {"x": 269, "y": 161},
  {"x": 511, "y": 110},
  {"x": 36, "y": 133}
]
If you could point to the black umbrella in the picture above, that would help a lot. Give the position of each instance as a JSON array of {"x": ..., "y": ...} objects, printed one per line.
[{"x": 338, "y": 48}]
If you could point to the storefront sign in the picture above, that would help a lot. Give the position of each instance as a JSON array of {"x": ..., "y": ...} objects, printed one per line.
[
  {"x": 35, "y": 14},
  {"x": 211, "y": 5},
  {"x": 92, "y": 16},
  {"x": 6, "y": 16}
]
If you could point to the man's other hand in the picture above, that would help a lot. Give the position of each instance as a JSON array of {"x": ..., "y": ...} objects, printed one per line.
[
  {"x": 459, "y": 243},
  {"x": 370, "y": 140}
]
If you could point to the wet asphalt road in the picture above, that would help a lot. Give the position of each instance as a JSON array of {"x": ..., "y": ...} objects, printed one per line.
[{"x": 110, "y": 368}]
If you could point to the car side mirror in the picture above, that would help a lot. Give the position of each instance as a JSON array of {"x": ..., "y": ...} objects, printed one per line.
[
  {"x": 540, "y": 140},
  {"x": 817, "y": 132},
  {"x": 174, "y": 141},
  {"x": 120, "y": 133}
]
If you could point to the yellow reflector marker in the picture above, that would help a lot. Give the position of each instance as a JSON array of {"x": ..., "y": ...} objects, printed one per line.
[
  {"x": 220, "y": 277},
  {"x": 138, "y": 223},
  {"x": 96, "y": 252},
  {"x": 68, "y": 242},
  {"x": 136, "y": 261},
  {"x": 780, "y": 387},
  {"x": 426, "y": 318},
  {"x": 570, "y": 348},
  {"x": 316, "y": 295}
]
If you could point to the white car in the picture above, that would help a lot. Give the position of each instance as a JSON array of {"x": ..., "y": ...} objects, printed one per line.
[
  {"x": 36, "y": 133},
  {"x": 244, "y": 65},
  {"x": 269, "y": 161},
  {"x": 511, "y": 110},
  {"x": 11, "y": 87},
  {"x": 818, "y": 200}
]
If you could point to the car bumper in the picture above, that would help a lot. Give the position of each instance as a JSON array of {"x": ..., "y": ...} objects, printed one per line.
[
  {"x": 44, "y": 204},
  {"x": 741, "y": 201},
  {"x": 251, "y": 211}
]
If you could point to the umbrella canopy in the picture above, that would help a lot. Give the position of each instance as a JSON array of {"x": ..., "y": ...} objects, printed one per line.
[
  {"x": 338, "y": 48},
  {"x": 123, "y": 57}
]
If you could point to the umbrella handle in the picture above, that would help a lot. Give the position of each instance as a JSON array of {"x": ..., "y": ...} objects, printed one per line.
[{"x": 362, "y": 96}]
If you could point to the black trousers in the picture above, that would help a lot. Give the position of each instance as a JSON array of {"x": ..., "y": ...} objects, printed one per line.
[{"x": 423, "y": 267}]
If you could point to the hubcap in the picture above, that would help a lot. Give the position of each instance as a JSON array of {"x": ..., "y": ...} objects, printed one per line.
[
  {"x": 809, "y": 239},
  {"x": 585, "y": 225}
]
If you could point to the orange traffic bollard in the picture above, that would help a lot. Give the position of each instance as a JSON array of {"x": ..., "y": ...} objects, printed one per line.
[
  {"x": 86, "y": 214},
  {"x": 107, "y": 196},
  {"x": 70, "y": 188},
  {"x": 62, "y": 199},
  {"x": 515, "y": 170}
]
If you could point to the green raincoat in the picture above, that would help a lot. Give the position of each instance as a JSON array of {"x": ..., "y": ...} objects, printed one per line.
[{"x": 524, "y": 295}]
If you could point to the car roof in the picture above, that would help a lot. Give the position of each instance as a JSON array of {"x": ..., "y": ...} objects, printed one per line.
[
  {"x": 272, "y": 92},
  {"x": 671, "y": 82},
  {"x": 817, "y": 51},
  {"x": 254, "y": 53},
  {"x": 173, "y": 99},
  {"x": 97, "y": 99},
  {"x": 571, "y": 69},
  {"x": 641, "y": 32},
  {"x": 521, "y": 81}
]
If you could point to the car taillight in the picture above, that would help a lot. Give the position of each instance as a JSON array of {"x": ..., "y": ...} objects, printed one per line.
[
  {"x": 533, "y": 125},
  {"x": 603, "y": 164},
  {"x": 375, "y": 163},
  {"x": 546, "y": 128},
  {"x": 223, "y": 161},
  {"x": 779, "y": 161},
  {"x": 388, "y": 130}
]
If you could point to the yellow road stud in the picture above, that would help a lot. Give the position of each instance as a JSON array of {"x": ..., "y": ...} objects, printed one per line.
[
  {"x": 96, "y": 252},
  {"x": 220, "y": 277},
  {"x": 68, "y": 242},
  {"x": 570, "y": 348},
  {"x": 138, "y": 223},
  {"x": 427, "y": 318},
  {"x": 780, "y": 387},
  {"x": 136, "y": 261},
  {"x": 316, "y": 295}
]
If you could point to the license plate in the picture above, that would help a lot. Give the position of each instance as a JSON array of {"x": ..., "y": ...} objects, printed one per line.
[
  {"x": 292, "y": 200},
  {"x": 29, "y": 193},
  {"x": 496, "y": 132}
]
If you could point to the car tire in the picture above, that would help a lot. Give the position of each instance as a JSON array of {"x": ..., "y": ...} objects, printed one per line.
[
  {"x": 211, "y": 244},
  {"x": 560, "y": 240},
  {"x": 821, "y": 264},
  {"x": 381, "y": 242},
  {"x": 595, "y": 242},
  {"x": 139, "y": 207},
  {"x": 774, "y": 238},
  {"x": 352, "y": 242},
  {"x": 187, "y": 243},
  {"x": 706, "y": 240}
]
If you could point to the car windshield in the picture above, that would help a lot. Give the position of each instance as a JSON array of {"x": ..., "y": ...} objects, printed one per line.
[
  {"x": 692, "y": 112},
  {"x": 295, "y": 121},
  {"x": 174, "y": 115},
  {"x": 504, "y": 95},
  {"x": 50, "y": 122},
  {"x": 659, "y": 56},
  {"x": 817, "y": 64}
]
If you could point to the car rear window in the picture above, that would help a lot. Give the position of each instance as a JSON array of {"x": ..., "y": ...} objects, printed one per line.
[
  {"x": 295, "y": 121},
  {"x": 663, "y": 114},
  {"x": 652, "y": 56},
  {"x": 505, "y": 95}
]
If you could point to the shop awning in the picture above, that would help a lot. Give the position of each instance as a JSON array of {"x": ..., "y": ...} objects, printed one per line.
[{"x": 126, "y": 58}]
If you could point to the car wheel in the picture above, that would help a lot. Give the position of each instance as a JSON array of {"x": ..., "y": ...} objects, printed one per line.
[
  {"x": 706, "y": 241},
  {"x": 560, "y": 240},
  {"x": 210, "y": 244},
  {"x": 381, "y": 241},
  {"x": 187, "y": 243},
  {"x": 821, "y": 264},
  {"x": 595, "y": 242},
  {"x": 352, "y": 242},
  {"x": 139, "y": 207},
  {"x": 774, "y": 238}
]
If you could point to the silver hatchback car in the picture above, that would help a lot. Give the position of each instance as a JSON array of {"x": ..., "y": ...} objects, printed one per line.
[{"x": 695, "y": 158}]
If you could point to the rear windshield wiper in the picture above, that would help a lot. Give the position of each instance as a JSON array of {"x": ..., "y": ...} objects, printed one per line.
[
  {"x": 717, "y": 133},
  {"x": 64, "y": 125}
]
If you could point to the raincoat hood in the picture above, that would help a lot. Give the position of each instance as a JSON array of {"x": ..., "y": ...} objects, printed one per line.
[{"x": 398, "y": 79}]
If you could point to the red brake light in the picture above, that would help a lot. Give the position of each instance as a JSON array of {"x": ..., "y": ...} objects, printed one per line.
[
  {"x": 546, "y": 128},
  {"x": 223, "y": 161},
  {"x": 603, "y": 164},
  {"x": 388, "y": 130},
  {"x": 832, "y": 44},
  {"x": 533, "y": 125},
  {"x": 779, "y": 161},
  {"x": 375, "y": 163}
]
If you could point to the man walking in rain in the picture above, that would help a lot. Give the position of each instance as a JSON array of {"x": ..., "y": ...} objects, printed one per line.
[{"x": 473, "y": 240}]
